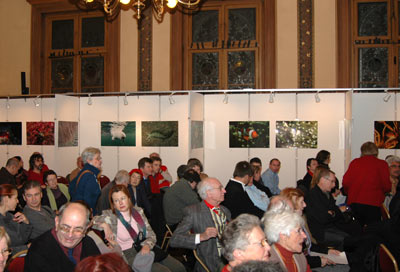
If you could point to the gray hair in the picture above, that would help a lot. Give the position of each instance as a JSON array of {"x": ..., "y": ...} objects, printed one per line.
[
  {"x": 12, "y": 162},
  {"x": 203, "y": 186},
  {"x": 122, "y": 177},
  {"x": 236, "y": 234},
  {"x": 280, "y": 222},
  {"x": 393, "y": 159},
  {"x": 89, "y": 153},
  {"x": 83, "y": 204}
]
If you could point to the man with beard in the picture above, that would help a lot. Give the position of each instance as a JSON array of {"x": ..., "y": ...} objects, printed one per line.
[{"x": 37, "y": 168}]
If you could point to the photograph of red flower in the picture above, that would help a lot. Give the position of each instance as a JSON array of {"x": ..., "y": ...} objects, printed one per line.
[{"x": 40, "y": 133}]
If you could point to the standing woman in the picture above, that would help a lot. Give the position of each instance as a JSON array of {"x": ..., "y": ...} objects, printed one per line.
[
  {"x": 55, "y": 194},
  {"x": 4, "y": 251},
  {"x": 16, "y": 225},
  {"x": 85, "y": 186},
  {"x": 127, "y": 226}
]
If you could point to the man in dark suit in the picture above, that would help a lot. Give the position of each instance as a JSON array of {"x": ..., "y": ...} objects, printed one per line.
[
  {"x": 236, "y": 198},
  {"x": 206, "y": 221}
]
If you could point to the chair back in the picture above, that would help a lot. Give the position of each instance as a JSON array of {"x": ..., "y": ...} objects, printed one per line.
[
  {"x": 384, "y": 212},
  {"x": 387, "y": 262},
  {"x": 62, "y": 180},
  {"x": 167, "y": 237},
  {"x": 17, "y": 261},
  {"x": 103, "y": 180},
  {"x": 200, "y": 261}
]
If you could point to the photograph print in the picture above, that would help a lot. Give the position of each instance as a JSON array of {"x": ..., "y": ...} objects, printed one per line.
[
  {"x": 10, "y": 133},
  {"x": 245, "y": 134},
  {"x": 160, "y": 133},
  {"x": 67, "y": 133},
  {"x": 118, "y": 133},
  {"x": 300, "y": 134},
  {"x": 40, "y": 133},
  {"x": 386, "y": 134}
]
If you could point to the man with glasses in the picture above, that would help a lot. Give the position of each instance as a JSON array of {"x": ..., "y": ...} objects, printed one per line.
[
  {"x": 61, "y": 248},
  {"x": 244, "y": 240},
  {"x": 206, "y": 222}
]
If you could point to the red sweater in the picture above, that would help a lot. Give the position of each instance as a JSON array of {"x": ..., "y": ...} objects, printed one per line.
[{"x": 366, "y": 181}]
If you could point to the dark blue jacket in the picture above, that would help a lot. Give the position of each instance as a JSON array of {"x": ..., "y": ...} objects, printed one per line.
[{"x": 88, "y": 188}]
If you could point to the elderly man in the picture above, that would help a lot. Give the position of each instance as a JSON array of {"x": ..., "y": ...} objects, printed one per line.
[
  {"x": 85, "y": 186},
  {"x": 394, "y": 171},
  {"x": 179, "y": 196},
  {"x": 206, "y": 221},
  {"x": 7, "y": 174},
  {"x": 244, "y": 240},
  {"x": 270, "y": 176},
  {"x": 121, "y": 178},
  {"x": 60, "y": 249},
  {"x": 236, "y": 199},
  {"x": 40, "y": 217}
]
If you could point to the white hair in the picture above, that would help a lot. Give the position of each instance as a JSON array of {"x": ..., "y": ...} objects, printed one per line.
[{"x": 280, "y": 222}]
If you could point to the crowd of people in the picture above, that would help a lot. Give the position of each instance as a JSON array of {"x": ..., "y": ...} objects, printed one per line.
[{"x": 251, "y": 224}]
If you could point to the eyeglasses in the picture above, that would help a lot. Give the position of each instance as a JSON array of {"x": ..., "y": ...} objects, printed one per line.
[
  {"x": 262, "y": 243},
  {"x": 76, "y": 231},
  {"x": 6, "y": 252}
]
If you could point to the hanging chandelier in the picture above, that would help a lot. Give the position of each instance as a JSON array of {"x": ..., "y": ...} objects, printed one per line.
[{"x": 113, "y": 7}]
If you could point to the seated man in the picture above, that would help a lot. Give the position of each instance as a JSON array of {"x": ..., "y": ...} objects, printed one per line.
[
  {"x": 244, "y": 240},
  {"x": 236, "y": 199},
  {"x": 40, "y": 217},
  {"x": 161, "y": 177},
  {"x": 305, "y": 183},
  {"x": 61, "y": 248},
  {"x": 7, "y": 174},
  {"x": 270, "y": 176},
  {"x": 195, "y": 164},
  {"x": 258, "y": 197},
  {"x": 146, "y": 169},
  {"x": 37, "y": 168},
  {"x": 206, "y": 220},
  {"x": 257, "y": 180},
  {"x": 121, "y": 178},
  {"x": 179, "y": 196}
]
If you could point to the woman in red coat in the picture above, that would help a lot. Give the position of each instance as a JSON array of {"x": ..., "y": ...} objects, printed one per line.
[{"x": 366, "y": 182}]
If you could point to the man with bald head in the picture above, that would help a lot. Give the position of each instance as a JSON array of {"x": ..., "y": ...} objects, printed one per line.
[
  {"x": 7, "y": 174},
  {"x": 61, "y": 248},
  {"x": 206, "y": 221}
]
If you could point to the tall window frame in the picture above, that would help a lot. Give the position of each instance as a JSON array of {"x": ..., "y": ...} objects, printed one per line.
[
  {"x": 266, "y": 57},
  {"x": 40, "y": 83}
]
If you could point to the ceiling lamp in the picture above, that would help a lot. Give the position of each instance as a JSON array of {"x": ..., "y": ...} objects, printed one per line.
[{"x": 112, "y": 7}]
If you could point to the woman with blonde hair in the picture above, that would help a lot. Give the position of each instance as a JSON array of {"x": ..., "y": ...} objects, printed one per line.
[{"x": 4, "y": 250}]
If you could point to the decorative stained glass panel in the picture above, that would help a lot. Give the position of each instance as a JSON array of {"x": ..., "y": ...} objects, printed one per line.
[
  {"x": 373, "y": 67},
  {"x": 205, "y": 71},
  {"x": 92, "y": 74},
  {"x": 62, "y": 75},
  {"x": 62, "y": 34},
  {"x": 93, "y": 32},
  {"x": 205, "y": 26},
  {"x": 241, "y": 69},
  {"x": 372, "y": 19},
  {"x": 242, "y": 24}
]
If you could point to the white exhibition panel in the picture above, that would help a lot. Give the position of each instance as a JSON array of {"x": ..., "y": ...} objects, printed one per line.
[
  {"x": 366, "y": 109},
  {"x": 220, "y": 160},
  {"x": 67, "y": 109},
  {"x": 102, "y": 109},
  {"x": 330, "y": 114},
  {"x": 283, "y": 109},
  {"x": 196, "y": 106}
]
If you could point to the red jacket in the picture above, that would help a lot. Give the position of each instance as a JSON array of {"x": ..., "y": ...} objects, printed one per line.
[{"x": 366, "y": 181}]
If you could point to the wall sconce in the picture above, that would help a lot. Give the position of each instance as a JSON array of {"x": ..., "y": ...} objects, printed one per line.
[
  {"x": 226, "y": 99},
  {"x": 171, "y": 99},
  {"x": 8, "y": 103},
  {"x": 90, "y": 102},
  {"x": 126, "y": 99},
  {"x": 317, "y": 98},
  {"x": 387, "y": 96},
  {"x": 36, "y": 101},
  {"x": 271, "y": 97}
]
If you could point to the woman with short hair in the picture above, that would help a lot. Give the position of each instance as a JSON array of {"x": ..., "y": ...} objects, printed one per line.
[
  {"x": 56, "y": 194},
  {"x": 4, "y": 250}
]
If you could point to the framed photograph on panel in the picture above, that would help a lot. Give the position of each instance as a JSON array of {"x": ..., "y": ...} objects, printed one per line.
[
  {"x": 10, "y": 133},
  {"x": 118, "y": 133},
  {"x": 196, "y": 134},
  {"x": 67, "y": 133},
  {"x": 40, "y": 133},
  {"x": 160, "y": 133},
  {"x": 245, "y": 134},
  {"x": 300, "y": 134},
  {"x": 386, "y": 134}
]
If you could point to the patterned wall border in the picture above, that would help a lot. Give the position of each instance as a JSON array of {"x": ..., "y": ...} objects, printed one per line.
[
  {"x": 145, "y": 40},
  {"x": 305, "y": 27}
]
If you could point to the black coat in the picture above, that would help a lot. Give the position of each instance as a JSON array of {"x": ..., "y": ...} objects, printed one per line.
[{"x": 46, "y": 255}]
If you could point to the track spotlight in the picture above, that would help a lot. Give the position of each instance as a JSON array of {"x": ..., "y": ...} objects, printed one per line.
[
  {"x": 126, "y": 99},
  {"x": 8, "y": 103},
  {"x": 36, "y": 101},
  {"x": 387, "y": 96},
  {"x": 317, "y": 98},
  {"x": 271, "y": 97},
  {"x": 226, "y": 99},
  {"x": 90, "y": 102},
  {"x": 171, "y": 99}
]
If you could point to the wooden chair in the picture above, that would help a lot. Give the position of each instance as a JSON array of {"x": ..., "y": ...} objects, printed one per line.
[
  {"x": 62, "y": 180},
  {"x": 384, "y": 212},
  {"x": 103, "y": 181},
  {"x": 167, "y": 237},
  {"x": 200, "y": 261},
  {"x": 387, "y": 262},
  {"x": 17, "y": 261}
]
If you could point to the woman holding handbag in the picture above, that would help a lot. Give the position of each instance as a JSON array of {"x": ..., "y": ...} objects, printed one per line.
[{"x": 127, "y": 226}]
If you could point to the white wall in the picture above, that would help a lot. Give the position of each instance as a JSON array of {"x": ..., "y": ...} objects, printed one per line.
[{"x": 196, "y": 110}]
